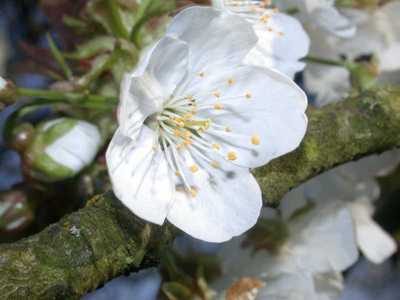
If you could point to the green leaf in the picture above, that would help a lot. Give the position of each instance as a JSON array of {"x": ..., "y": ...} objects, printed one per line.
[
  {"x": 93, "y": 47},
  {"x": 114, "y": 19},
  {"x": 59, "y": 57}
]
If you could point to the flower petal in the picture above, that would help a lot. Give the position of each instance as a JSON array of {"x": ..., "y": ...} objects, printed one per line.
[
  {"x": 77, "y": 148},
  {"x": 213, "y": 36},
  {"x": 332, "y": 21},
  {"x": 228, "y": 202},
  {"x": 329, "y": 84},
  {"x": 144, "y": 91},
  {"x": 140, "y": 175},
  {"x": 374, "y": 242},
  {"x": 257, "y": 57},
  {"x": 281, "y": 36},
  {"x": 263, "y": 112},
  {"x": 326, "y": 232}
]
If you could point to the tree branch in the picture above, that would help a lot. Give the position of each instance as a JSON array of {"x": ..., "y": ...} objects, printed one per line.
[{"x": 103, "y": 240}]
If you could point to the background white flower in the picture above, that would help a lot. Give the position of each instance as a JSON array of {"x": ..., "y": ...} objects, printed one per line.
[
  {"x": 353, "y": 185},
  {"x": 282, "y": 41},
  {"x": 317, "y": 15},
  {"x": 378, "y": 34},
  {"x": 61, "y": 148},
  {"x": 193, "y": 120},
  {"x": 320, "y": 245}
]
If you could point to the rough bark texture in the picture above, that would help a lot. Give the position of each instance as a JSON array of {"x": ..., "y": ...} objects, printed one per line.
[{"x": 93, "y": 245}]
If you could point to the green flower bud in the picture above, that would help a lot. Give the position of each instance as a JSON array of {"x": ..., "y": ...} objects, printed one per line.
[{"x": 61, "y": 148}]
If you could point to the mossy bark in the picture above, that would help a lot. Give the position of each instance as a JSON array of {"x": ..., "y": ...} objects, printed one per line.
[{"x": 95, "y": 244}]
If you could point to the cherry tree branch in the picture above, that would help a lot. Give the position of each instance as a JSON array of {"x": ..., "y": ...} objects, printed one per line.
[{"x": 93, "y": 245}]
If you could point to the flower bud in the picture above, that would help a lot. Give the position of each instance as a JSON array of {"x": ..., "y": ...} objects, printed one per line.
[{"x": 61, "y": 148}]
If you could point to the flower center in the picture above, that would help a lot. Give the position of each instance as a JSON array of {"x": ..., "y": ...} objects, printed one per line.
[{"x": 188, "y": 138}]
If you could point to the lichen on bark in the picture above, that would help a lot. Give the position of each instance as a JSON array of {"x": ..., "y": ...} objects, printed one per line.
[{"x": 93, "y": 245}]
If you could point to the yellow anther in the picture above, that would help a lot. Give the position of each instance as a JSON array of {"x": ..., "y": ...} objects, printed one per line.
[
  {"x": 255, "y": 139},
  {"x": 189, "y": 98},
  {"x": 218, "y": 106},
  {"x": 248, "y": 95},
  {"x": 280, "y": 33},
  {"x": 269, "y": 29},
  {"x": 201, "y": 74},
  {"x": 265, "y": 18},
  {"x": 231, "y": 81},
  {"x": 187, "y": 142},
  {"x": 180, "y": 146},
  {"x": 215, "y": 164},
  {"x": 232, "y": 155},
  {"x": 217, "y": 94},
  {"x": 216, "y": 146},
  {"x": 193, "y": 192},
  {"x": 177, "y": 173},
  {"x": 187, "y": 134},
  {"x": 228, "y": 129},
  {"x": 177, "y": 133},
  {"x": 194, "y": 168}
]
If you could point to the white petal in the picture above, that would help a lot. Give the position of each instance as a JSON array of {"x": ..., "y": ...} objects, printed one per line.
[
  {"x": 77, "y": 148},
  {"x": 331, "y": 20},
  {"x": 281, "y": 36},
  {"x": 327, "y": 233},
  {"x": 274, "y": 112},
  {"x": 373, "y": 241},
  {"x": 227, "y": 204},
  {"x": 3, "y": 83},
  {"x": 287, "y": 67},
  {"x": 213, "y": 36},
  {"x": 329, "y": 84},
  {"x": 140, "y": 175},
  {"x": 388, "y": 58},
  {"x": 144, "y": 91}
]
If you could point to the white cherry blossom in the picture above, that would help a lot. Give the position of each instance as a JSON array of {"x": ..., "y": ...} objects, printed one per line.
[
  {"x": 353, "y": 186},
  {"x": 282, "y": 41},
  {"x": 322, "y": 15},
  {"x": 378, "y": 34},
  {"x": 192, "y": 121},
  {"x": 320, "y": 245}
]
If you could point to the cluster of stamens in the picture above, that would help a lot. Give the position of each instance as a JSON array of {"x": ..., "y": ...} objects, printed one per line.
[{"x": 180, "y": 127}]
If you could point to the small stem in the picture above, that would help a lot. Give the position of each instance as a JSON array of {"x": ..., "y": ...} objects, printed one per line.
[
  {"x": 325, "y": 61},
  {"x": 81, "y": 99}
]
